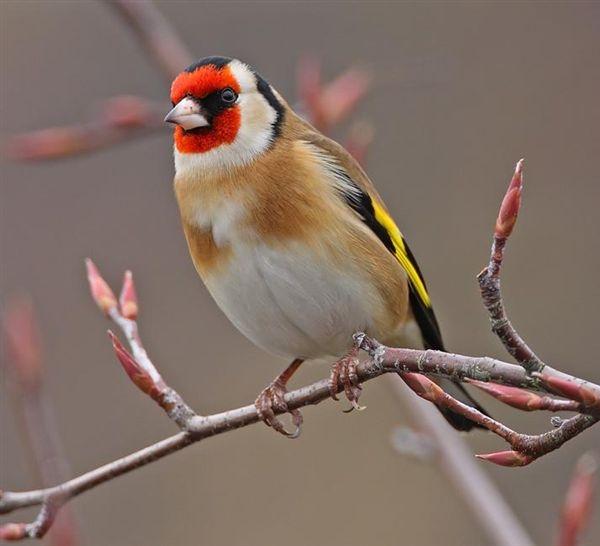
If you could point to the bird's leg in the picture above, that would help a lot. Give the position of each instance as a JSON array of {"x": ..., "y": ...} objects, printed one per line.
[
  {"x": 272, "y": 399},
  {"x": 344, "y": 371}
]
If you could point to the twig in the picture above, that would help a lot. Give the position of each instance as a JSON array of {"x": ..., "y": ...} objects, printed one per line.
[
  {"x": 328, "y": 105},
  {"x": 120, "y": 119},
  {"x": 138, "y": 366},
  {"x": 23, "y": 357},
  {"x": 578, "y": 501},
  {"x": 526, "y": 448},
  {"x": 384, "y": 360},
  {"x": 157, "y": 36},
  {"x": 489, "y": 278}
]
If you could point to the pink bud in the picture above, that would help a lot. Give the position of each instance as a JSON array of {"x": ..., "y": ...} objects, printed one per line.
[
  {"x": 509, "y": 209},
  {"x": 13, "y": 531},
  {"x": 571, "y": 389},
  {"x": 101, "y": 292},
  {"x": 136, "y": 373},
  {"x": 507, "y": 458},
  {"x": 423, "y": 386},
  {"x": 341, "y": 96},
  {"x": 128, "y": 298},
  {"x": 512, "y": 396},
  {"x": 578, "y": 502}
]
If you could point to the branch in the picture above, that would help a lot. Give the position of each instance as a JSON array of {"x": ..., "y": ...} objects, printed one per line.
[
  {"x": 577, "y": 507},
  {"x": 411, "y": 365},
  {"x": 120, "y": 119},
  {"x": 138, "y": 366},
  {"x": 384, "y": 360},
  {"x": 452, "y": 455},
  {"x": 489, "y": 278},
  {"x": 155, "y": 33},
  {"x": 23, "y": 358}
]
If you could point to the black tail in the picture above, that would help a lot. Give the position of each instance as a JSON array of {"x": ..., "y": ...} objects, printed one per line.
[{"x": 432, "y": 339}]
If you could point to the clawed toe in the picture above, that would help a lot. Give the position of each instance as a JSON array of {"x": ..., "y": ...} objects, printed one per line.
[
  {"x": 344, "y": 371},
  {"x": 272, "y": 400}
]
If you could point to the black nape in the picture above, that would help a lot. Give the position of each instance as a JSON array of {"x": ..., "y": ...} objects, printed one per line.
[{"x": 218, "y": 62}]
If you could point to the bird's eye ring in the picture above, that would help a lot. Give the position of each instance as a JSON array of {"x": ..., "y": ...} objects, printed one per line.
[{"x": 228, "y": 95}]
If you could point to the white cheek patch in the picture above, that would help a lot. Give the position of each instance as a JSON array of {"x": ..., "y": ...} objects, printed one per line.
[{"x": 253, "y": 138}]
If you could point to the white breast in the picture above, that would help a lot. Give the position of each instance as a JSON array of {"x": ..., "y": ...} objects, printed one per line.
[{"x": 291, "y": 301}]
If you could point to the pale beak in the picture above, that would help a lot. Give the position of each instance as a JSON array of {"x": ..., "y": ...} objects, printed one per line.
[{"x": 187, "y": 113}]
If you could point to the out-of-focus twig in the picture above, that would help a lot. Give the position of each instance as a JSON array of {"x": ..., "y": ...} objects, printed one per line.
[
  {"x": 578, "y": 502},
  {"x": 327, "y": 105},
  {"x": 119, "y": 119},
  {"x": 23, "y": 358},
  {"x": 162, "y": 43}
]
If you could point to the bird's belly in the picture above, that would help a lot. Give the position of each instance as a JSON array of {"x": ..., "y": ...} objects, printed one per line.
[{"x": 293, "y": 302}]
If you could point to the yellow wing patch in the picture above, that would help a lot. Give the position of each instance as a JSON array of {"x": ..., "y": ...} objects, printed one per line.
[{"x": 401, "y": 254}]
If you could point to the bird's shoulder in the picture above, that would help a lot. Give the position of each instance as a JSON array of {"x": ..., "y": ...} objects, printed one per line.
[{"x": 302, "y": 130}]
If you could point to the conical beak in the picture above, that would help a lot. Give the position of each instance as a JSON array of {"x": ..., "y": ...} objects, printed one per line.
[{"x": 187, "y": 113}]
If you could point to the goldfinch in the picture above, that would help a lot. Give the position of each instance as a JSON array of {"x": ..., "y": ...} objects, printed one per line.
[{"x": 288, "y": 233}]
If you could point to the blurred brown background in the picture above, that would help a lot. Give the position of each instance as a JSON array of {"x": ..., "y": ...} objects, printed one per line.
[{"x": 462, "y": 90}]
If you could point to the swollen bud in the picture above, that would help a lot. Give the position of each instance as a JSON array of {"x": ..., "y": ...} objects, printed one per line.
[
  {"x": 423, "y": 386},
  {"x": 136, "y": 373},
  {"x": 507, "y": 458},
  {"x": 101, "y": 292},
  {"x": 509, "y": 209},
  {"x": 512, "y": 396},
  {"x": 128, "y": 298},
  {"x": 13, "y": 531}
]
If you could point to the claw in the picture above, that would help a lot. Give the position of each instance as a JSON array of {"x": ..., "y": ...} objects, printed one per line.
[
  {"x": 344, "y": 371},
  {"x": 272, "y": 399}
]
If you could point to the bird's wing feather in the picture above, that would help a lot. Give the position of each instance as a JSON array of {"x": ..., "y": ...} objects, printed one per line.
[{"x": 360, "y": 194}]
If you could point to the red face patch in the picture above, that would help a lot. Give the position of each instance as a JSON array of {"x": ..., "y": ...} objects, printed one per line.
[{"x": 224, "y": 126}]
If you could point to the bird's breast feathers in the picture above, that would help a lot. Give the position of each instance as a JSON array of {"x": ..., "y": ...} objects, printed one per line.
[{"x": 289, "y": 263}]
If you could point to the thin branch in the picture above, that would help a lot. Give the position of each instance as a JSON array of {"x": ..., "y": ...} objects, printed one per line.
[
  {"x": 23, "y": 358},
  {"x": 119, "y": 119},
  {"x": 489, "y": 278},
  {"x": 578, "y": 502},
  {"x": 385, "y": 360},
  {"x": 138, "y": 365},
  {"x": 155, "y": 33}
]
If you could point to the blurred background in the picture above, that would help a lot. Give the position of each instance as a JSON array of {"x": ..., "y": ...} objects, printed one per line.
[{"x": 461, "y": 91}]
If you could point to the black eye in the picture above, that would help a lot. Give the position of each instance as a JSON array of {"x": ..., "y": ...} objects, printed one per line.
[{"x": 228, "y": 95}]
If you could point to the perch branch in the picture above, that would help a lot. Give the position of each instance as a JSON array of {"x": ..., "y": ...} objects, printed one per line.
[
  {"x": 384, "y": 360},
  {"x": 411, "y": 365}
]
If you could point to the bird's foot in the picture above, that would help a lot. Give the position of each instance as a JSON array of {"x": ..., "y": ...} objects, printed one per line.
[
  {"x": 272, "y": 400},
  {"x": 344, "y": 371}
]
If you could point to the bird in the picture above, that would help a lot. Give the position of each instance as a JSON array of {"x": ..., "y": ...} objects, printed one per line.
[{"x": 290, "y": 236}]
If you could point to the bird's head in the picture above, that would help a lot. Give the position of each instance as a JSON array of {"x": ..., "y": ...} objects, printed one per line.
[{"x": 225, "y": 114}]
